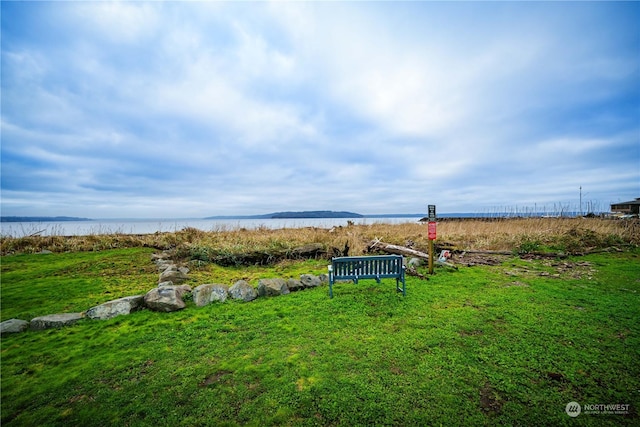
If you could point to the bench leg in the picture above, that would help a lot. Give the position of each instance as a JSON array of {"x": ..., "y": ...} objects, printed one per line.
[
  {"x": 330, "y": 287},
  {"x": 404, "y": 288}
]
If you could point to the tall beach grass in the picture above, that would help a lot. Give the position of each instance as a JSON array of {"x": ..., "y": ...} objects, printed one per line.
[{"x": 518, "y": 235}]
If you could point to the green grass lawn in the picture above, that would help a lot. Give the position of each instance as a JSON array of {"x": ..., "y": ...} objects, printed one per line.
[{"x": 509, "y": 344}]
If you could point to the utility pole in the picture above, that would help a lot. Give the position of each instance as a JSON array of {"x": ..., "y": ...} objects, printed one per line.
[{"x": 581, "y": 200}]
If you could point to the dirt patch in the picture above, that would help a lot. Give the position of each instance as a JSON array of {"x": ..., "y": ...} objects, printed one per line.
[
  {"x": 472, "y": 333},
  {"x": 469, "y": 260},
  {"x": 557, "y": 377},
  {"x": 516, "y": 283},
  {"x": 490, "y": 401},
  {"x": 397, "y": 370},
  {"x": 214, "y": 378},
  {"x": 552, "y": 267},
  {"x": 575, "y": 270}
]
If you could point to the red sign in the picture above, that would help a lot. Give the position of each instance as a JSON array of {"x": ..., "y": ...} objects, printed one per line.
[{"x": 432, "y": 230}]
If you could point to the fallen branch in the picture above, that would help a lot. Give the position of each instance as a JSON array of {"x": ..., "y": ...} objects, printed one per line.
[
  {"x": 401, "y": 250},
  {"x": 395, "y": 249}
]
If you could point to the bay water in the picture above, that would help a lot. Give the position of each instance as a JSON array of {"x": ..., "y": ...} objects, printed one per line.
[{"x": 150, "y": 226}]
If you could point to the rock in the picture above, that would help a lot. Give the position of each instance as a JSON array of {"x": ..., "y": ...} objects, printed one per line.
[
  {"x": 324, "y": 278},
  {"x": 208, "y": 293},
  {"x": 54, "y": 321},
  {"x": 166, "y": 299},
  {"x": 272, "y": 287},
  {"x": 243, "y": 290},
  {"x": 182, "y": 289},
  {"x": 166, "y": 265},
  {"x": 294, "y": 285},
  {"x": 116, "y": 307},
  {"x": 415, "y": 262},
  {"x": 175, "y": 276},
  {"x": 160, "y": 256},
  {"x": 13, "y": 326},
  {"x": 310, "y": 281},
  {"x": 167, "y": 283}
]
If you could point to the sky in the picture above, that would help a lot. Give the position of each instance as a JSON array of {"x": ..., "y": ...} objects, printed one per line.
[{"x": 195, "y": 109}]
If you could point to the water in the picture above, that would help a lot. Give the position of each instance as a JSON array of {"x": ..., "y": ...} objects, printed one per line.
[{"x": 150, "y": 226}]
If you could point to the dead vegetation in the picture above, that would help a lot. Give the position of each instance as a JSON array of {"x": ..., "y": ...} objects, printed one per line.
[{"x": 264, "y": 246}]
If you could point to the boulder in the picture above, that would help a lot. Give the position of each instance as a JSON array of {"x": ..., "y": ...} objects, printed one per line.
[
  {"x": 272, "y": 287},
  {"x": 324, "y": 278},
  {"x": 294, "y": 285},
  {"x": 160, "y": 256},
  {"x": 415, "y": 262},
  {"x": 13, "y": 326},
  {"x": 243, "y": 291},
  {"x": 116, "y": 307},
  {"x": 310, "y": 281},
  {"x": 175, "y": 276},
  {"x": 166, "y": 265},
  {"x": 183, "y": 289},
  {"x": 54, "y": 321},
  {"x": 167, "y": 283},
  {"x": 208, "y": 293},
  {"x": 166, "y": 299}
]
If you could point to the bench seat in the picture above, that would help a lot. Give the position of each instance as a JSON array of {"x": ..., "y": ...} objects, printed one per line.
[{"x": 368, "y": 267}]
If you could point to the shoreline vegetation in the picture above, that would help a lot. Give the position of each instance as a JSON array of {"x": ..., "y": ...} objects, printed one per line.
[{"x": 240, "y": 246}]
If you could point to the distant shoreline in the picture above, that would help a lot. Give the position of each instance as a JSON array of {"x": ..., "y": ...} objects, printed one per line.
[
  {"x": 294, "y": 215},
  {"x": 42, "y": 219}
]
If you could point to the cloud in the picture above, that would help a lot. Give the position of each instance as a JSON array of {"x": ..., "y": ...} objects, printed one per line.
[{"x": 196, "y": 109}]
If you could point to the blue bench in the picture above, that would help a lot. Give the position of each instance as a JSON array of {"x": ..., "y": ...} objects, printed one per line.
[{"x": 367, "y": 267}]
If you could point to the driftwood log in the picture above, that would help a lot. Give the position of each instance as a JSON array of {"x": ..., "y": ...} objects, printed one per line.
[
  {"x": 395, "y": 249},
  {"x": 401, "y": 250}
]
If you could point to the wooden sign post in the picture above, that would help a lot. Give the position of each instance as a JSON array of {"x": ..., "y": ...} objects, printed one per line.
[{"x": 431, "y": 234}]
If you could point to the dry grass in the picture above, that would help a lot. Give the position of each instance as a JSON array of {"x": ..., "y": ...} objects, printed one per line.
[
  {"x": 510, "y": 234},
  {"x": 263, "y": 245}
]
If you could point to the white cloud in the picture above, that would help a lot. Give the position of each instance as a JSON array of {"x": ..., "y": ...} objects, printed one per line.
[
  {"x": 278, "y": 106},
  {"x": 116, "y": 21}
]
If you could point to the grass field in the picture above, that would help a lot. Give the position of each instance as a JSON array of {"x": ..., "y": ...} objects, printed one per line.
[{"x": 511, "y": 344}]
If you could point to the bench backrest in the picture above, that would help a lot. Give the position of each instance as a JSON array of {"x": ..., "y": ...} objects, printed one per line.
[{"x": 363, "y": 267}]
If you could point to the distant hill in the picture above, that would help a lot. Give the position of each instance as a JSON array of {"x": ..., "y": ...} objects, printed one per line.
[
  {"x": 316, "y": 214},
  {"x": 302, "y": 214},
  {"x": 41, "y": 218}
]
